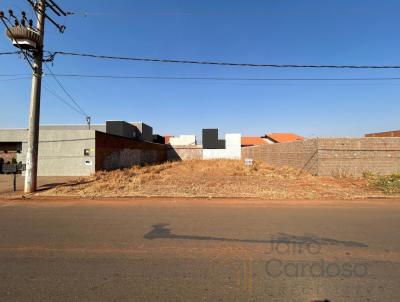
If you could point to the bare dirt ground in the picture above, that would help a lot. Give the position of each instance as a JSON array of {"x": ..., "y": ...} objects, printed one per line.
[{"x": 214, "y": 178}]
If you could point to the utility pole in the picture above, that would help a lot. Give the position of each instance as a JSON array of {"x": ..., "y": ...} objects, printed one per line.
[
  {"x": 34, "y": 111},
  {"x": 30, "y": 42}
]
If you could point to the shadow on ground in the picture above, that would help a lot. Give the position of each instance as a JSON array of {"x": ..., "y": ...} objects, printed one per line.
[
  {"x": 61, "y": 184},
  {"x": 50, "y": 186},
  {"x": 160, "y": 231}
]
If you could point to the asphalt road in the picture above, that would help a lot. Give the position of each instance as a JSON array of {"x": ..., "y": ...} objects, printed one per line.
[{"x": 199, "y": 250}]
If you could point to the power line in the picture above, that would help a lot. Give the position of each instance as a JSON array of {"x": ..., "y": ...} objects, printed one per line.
[
  {"x": 65, "y": 91},
  {"x": 14, "y": 75},
  {"x": 15, "y": 79},
  {"x": 108, "y": 57},
  {"x": 62, "y": 99},
  {"x": 225, "y": 78},
  {"x": 156, "y": 60},
  {"x": 9, "y": 53},
  {"x": 104, "y": 76},
  {"x": 174, "y": 13},
  {"x": 214, "y": 13}
]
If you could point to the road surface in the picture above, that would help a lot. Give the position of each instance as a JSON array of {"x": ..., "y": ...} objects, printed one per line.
[{"x": 199, "y": 250}]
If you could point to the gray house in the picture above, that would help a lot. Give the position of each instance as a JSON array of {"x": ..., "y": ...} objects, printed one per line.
[{"x": 75, "y": 150}]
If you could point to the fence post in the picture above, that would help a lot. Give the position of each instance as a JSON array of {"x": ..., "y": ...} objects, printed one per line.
[{"x": 15, "y": 181}]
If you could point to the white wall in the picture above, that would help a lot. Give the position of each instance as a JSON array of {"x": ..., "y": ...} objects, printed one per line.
[
  {"x": 183, "y": 140},
  {"x": 233, "y": 145},
  {"x": 232, "y": 149}
]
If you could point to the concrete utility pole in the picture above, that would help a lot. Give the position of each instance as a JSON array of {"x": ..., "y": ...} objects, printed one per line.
[
  {"x": 34, "y": 112},
  {"x": 30, "y": 42}
]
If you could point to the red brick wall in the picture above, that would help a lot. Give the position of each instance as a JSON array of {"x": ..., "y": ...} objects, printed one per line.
[{"x": 113, "y": 152}]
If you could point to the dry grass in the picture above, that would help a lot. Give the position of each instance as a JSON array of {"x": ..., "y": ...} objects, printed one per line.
[{"x": 213, "y": 178}]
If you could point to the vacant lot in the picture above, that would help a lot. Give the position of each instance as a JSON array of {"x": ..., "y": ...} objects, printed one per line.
[{"x": 214, "y": 178}]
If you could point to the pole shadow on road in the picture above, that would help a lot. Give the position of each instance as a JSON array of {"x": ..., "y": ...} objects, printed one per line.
[{"x": 161, "y": 231}]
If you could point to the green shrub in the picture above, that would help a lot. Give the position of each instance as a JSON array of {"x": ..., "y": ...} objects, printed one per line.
[{"x": 389, "y": 184}]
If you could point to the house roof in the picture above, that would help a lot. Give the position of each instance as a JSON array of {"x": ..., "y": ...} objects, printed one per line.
[
  {"x": 284, "y": 137},
  {"x": 395, "y": 133},
  {"x": 252, "y": 141}
]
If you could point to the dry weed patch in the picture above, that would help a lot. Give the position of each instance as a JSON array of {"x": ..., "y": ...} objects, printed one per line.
[{"x": 213, "y": 178}]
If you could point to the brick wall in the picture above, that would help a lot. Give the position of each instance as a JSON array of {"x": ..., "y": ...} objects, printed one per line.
[
  {"x": 300, "y": 154},
  {"x": 113, "y": 152},
  {"x": 353, "y": 156},
  {"x": 336, "y": 156}
]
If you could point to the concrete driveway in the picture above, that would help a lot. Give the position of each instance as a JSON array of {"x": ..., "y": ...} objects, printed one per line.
[{"x": 6, "y": 182}]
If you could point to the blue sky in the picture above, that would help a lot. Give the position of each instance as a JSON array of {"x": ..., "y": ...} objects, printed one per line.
[{"x": 276, "y": 32}]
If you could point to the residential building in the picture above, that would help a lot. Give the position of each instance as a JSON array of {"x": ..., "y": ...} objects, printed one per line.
[
  {"x": 395, "y": 133},
  {"x": 183, "y": 140},
  {"x": 76, "y": 150},
  {"x": 248, "y": 141},
  {"x": 283, "y": 137},
  {"x": 215, "y": 148}
]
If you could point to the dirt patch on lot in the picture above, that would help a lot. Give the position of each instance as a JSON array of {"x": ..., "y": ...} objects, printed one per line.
[{"x": 213, "y": 178}]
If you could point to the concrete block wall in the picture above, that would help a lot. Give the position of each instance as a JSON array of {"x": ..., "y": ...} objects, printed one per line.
[
  {"x": 184, "y": 152},
  {"x": 353, "y": 156},
  {"x": 214, "y": 154},
  {"x": 13, "y": 135},
  {"x": 144, "y": 131},
  {"x": 98, "y": 127},
  {"x": 113, "y": 152},
  {"x": 332, "y": 156},
  {"x": 301, "y": 155},
  {"x": 61, "y": 153}
]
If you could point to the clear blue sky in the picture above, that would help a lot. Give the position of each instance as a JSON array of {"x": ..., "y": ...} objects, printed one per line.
[{"x": 267, "y": 31}]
